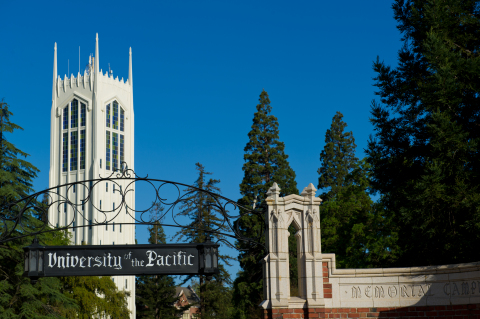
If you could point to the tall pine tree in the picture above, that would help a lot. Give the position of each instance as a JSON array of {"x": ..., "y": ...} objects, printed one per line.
[
  {"x": 205, "y": 218},
  {"x": 155, "y": 294},
  {"x": 19, "y": 298},
  {"x": 265, "y": 163},
  {"x": 353, "y": 226},
  {"x": 424, "y": 155},
  {"x": 337, "y": 158},
  {"x": 68, "y": 297}
]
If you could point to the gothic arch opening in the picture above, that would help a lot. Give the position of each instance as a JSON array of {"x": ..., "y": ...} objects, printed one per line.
[{"x": 294, "y": 242}]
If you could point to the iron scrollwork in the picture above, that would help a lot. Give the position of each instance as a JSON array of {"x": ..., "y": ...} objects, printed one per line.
[{"x": 13, "y": 215}]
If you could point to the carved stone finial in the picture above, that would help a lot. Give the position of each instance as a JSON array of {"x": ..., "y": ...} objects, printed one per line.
[
  {"x": 309, "y": 191},
  {"x": 274, "y": 191}
]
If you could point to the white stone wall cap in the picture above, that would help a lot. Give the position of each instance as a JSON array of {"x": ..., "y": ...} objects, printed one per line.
[
  {"x": 426, "y": 270},
  {"x": 411, "y": 278},
  {"x": 368, "y": 271}
]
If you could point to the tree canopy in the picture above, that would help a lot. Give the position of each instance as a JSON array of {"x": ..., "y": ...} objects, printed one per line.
[
  {"x": 155, "y": 294},
  {"x": 205, "y": 216},
  {"x": 49, "y": 297},
  {"x": 424, "y": 154},
  {"x": 19, "y": 298},
  {"x": 337, "y": 158},
  {"x": 265, "y": 163}
]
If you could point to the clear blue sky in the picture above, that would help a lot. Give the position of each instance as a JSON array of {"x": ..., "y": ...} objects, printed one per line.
[{"x": 198, "y": 69}]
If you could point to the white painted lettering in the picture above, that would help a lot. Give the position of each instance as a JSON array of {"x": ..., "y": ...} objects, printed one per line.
[
  {"x": 166, "y": 260},
  {"x": 98, "y": 261},
  {"x": 61, "y": 262},
  {"x": 180, "y": 257},
  {"x": 82, "y": 260},
  {"x": 119, "y": 265},
  {"x": 50, "y": 255},
  {"x": 68, "y": 260},
  {"x": 190, "y": 256},
  {"x": 74, "y": 261},
  {"x": 109, "y": 260},
  {"x": 151, "y": 258},
  {"x": 160, "y": 261}
]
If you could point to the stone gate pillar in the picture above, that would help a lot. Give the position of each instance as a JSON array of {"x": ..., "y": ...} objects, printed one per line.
[{"x": 304, "y": 213}]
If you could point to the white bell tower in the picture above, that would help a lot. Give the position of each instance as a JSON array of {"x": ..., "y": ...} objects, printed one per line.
[{"x": 92, "y": 133}]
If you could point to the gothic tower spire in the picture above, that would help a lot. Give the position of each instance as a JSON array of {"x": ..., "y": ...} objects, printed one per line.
[{"x": 130, "y": 76}]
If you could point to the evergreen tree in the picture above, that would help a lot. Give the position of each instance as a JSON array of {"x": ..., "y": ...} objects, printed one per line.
[
  {"x": 347, "y": 213},
  {"x": 337, "y": 158},
  {"x": 96, "y": 297},
  {"x": 217, "y": 296},
  {"x": 424, "y": 154},
  {"x": 19, "y": 298},
  {"x": 16, "y": 174},
  {"x": 201, "y": 208},
  {"x": 353, "y": 226},
  {"x": 69, "y": 297},
  {"x": 265, "y": 163},
  {"x": 155, "y": 294}
]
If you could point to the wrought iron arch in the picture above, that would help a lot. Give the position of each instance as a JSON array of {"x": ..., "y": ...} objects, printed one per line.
[{"x": 13, "y": 214}]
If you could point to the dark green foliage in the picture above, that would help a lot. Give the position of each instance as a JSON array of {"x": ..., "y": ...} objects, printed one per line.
[
  {"x": 69, "y": 297},
  {"x": 353, "y": 226},
  {"x": 337, "y": 158},
  {"x": 96, "y": 297},
  {"x": 155, "y": 295},
  {"x": 201, "y": 208},
  {"x": 18, "y": 297},
  {"x": 216, "y": 296},
  {"x": 265, "y": 163},
  {"x": 424, "y": 156},
  {"x": 16, "y": 174},
  {"x": 292, "y": 258}
]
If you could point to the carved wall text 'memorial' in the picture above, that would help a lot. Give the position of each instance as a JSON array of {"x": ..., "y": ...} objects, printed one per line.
[{"x": 301, "y": 211}]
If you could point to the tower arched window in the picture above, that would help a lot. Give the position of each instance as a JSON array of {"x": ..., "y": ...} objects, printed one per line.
[
  {"x": 115, "y": 138},
  {"x": 73, "y": 136}
]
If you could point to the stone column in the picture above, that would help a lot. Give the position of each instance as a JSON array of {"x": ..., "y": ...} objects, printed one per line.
[{"x": 303, "y": 212}]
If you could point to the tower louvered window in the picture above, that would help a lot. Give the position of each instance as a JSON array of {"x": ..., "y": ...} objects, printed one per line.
[
  {"x": 73, "y": 150},
  {"x": 82, "y": 149},
  {"x": 73, "y": 136},
  {"x": 107, "y": 161},
  {"x": 65, "y": 152},
  {"x": 114, "y": 142}
]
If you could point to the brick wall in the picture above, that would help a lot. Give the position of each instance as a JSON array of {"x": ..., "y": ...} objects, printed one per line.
[
  {"x": 433, "y": 312},
  {"x": 327, "y": 287}
]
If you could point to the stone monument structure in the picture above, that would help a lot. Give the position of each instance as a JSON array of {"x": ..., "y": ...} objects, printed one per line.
[{"x": 447, "y": 291}]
